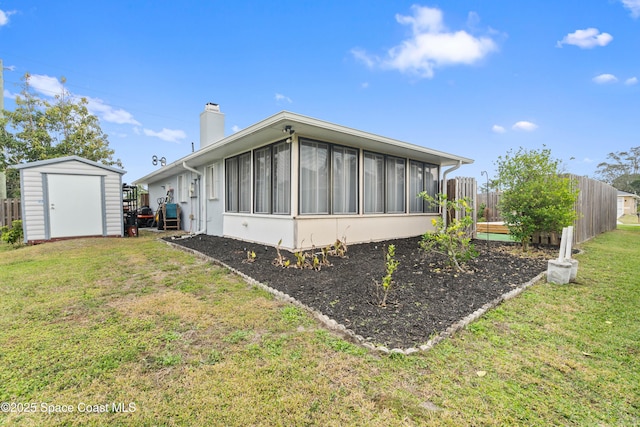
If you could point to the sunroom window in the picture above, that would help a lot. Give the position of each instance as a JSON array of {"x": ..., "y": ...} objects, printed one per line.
[
  {"x": 238, "y": 183},
  {"x": 422, "y": 177},
  {"x": 328, "y": 178},
  {"x": 272, "y": 179},
  {"x": 384, "y": 184}
]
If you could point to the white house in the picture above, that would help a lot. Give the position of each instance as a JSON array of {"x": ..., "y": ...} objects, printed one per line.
[
  {"x": 70, "y": 197},
  {"x": 302, "y": 181}
]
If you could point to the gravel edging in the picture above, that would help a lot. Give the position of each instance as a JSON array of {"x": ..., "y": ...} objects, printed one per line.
[{"x": 350, "y": 335}]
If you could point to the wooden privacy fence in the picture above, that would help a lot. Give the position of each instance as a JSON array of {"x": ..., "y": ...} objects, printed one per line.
[
  {"x": 459, "y": 188},
  {"x": 490, "y": 201},
  {"x": 9, "y": 211},
  {"x": 596, "y": 208}
]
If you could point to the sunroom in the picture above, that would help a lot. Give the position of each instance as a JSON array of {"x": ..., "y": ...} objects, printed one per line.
[{"x": 304, "y": 182}]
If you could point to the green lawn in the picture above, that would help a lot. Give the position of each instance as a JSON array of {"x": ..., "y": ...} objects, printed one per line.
[{"x": 86, "y": 324}]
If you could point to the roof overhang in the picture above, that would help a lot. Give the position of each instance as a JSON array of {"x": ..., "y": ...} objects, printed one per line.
[{"x": 271, "y": 130}]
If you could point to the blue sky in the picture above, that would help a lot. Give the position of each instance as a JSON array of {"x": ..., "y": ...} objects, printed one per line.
[{"x": 470, "y": 78}]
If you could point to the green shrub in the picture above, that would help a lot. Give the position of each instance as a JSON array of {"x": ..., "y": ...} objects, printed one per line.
[
  {"x": 452, "y": 240},
  {"x": 535, "y": 196},
  {"x": 13, "y": 235}
]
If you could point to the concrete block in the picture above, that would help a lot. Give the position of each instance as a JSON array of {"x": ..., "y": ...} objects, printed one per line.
[
  {"x": 558, "y": 272},
  {"x": 574, "y": 269}
]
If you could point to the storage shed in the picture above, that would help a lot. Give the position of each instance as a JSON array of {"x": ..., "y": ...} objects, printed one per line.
[{"x": 70, "y": 197}]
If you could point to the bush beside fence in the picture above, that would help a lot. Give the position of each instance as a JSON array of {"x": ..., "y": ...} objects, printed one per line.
[{"x": 596, "y": 207}]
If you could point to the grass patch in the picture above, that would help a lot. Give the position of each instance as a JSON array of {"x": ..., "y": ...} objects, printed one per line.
[
  {"x": 628, "y": 219},
  {"x": 96, "y": 321}
]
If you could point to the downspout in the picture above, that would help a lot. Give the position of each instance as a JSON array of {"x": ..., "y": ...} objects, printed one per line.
[
  {"x": 444, "y": 187},
  {"x": 190, "y": 169}
]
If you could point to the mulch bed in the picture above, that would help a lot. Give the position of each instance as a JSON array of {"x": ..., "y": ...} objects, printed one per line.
[{"x": 426, "y": 296}]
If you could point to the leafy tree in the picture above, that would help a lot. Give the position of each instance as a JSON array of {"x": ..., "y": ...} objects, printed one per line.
[
  {"x": 622, "y": 170},
  {"x": 39, "y": 129},
  {"x": 535, "y": 198}
]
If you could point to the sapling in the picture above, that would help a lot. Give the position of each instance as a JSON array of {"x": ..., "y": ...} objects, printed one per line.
[
  {"x": 391, "y": 267},
  {"x": 453, "y": 239}
]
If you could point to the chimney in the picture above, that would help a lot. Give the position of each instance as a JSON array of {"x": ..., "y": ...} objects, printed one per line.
[{"x": 211, "y": 125}]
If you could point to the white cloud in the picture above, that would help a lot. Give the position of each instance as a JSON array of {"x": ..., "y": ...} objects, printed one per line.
[
  {"x": 110, "y": 114},
  {"x": 473, "y": 19},
  {"x": 4, "y": 16},
  {"x": 633, "y": 6},
  {"x": 431, "y": 46},
  {"x": 46, "y": 85},
  {"x": 51, "y": 86},
  {"x": 605, "y": 78},
  {"x": 364, "y": 85},
  {"x": 587, "y": 160},
  {"x": 235, "y": 128},
  {"x": 8, "y": 94},
  {"x": 165, "y": 134},
  {"x": 631, "y": 81},
  {"x": 362, "y": 56},
  {"x": 524, "y": 126},
  {"x": 498, "y": 129},
  {"x": 586, "y": 39},
  {"x": 281, "y": 97}
]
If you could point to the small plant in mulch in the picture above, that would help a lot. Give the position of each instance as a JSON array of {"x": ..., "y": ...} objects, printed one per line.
[
  {"x": 251, "y": 257},
  {"x": 339, "y": 248},
  {"x": 391, "y": 264},
  {"x": 311, "y": 260},
  {"x": 453, "y": 240},
  {"x": 280, "y": 260},
  {"x": 301, "y": 259}
]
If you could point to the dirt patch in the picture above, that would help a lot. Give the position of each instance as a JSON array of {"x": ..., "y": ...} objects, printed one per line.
[{"x": 426, "y": 296}]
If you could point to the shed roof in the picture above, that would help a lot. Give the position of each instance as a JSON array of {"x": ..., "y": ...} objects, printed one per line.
[
  {"x": 67, "y": 159},
  {"x": 270, "y": 129},
  {"x": 625, "y": 194}
]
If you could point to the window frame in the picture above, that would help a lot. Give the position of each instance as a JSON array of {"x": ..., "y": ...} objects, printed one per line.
[
  {"x": 272, "y": 180},
  {"x": 427, "y": 171},
  {"x": 182, "y": 188},
  {"x": 331, "y": 149},
  {"x": 385, "y": 183},
  {"x": 213, "y": 182},
  {"x": 237, "y": 183}
]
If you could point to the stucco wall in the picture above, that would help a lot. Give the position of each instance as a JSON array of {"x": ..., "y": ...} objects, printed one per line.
[
  {"x": 322, "y": 231},
  {"x": 267, "y": 229}
]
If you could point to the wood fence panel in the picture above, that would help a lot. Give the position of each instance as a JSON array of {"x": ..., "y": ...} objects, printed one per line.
[
  {"x": 9, "y": 211},
  {"x": 596, "y": 208},
  {"x": 490, "y": 200},
  {"x": 459, "y": 188}
]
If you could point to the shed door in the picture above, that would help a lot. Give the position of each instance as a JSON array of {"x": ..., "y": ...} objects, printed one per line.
[{"x": 75, "y": 205}]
